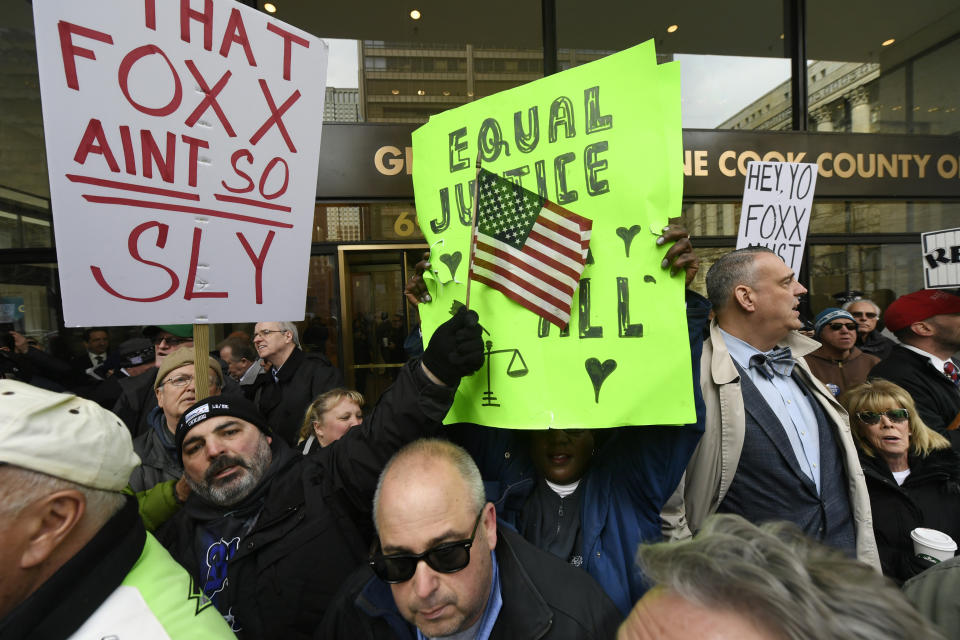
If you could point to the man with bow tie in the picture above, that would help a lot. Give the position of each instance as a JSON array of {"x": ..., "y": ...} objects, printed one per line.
[{"x": 776, "y": 444}]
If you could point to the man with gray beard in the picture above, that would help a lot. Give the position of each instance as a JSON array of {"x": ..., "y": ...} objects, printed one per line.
[{"x": 268, "y": 534}]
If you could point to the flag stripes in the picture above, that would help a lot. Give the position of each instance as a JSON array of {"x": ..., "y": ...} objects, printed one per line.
[{"x": 531, "y": 250}]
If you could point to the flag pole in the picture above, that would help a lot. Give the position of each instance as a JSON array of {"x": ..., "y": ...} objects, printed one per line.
[{"x": 473, "y": 229}]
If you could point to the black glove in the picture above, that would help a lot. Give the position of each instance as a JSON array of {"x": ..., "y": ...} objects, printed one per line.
[{"x": 456, "y": 348}]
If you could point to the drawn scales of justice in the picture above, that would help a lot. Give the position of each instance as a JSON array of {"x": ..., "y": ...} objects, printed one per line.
[{"x": 514, "y": 370}]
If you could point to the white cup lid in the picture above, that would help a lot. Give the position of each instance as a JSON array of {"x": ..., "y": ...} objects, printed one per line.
[{"x": 933, "y": 538}]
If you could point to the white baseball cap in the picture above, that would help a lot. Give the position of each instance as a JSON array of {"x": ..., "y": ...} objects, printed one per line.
[{"x": 64, "y": 436}]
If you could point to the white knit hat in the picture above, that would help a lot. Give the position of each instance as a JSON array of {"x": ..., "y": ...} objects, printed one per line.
[{"x": 64, "y": 436}]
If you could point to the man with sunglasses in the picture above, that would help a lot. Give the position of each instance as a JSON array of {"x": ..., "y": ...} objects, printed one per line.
[
  {"x": 270, "y": 535},
  {"x": 869, "y": 338},
  {"x": 927, "y": 324},
  {"x": 838, "y": 363},
  {"x": 443, "y": 568}
]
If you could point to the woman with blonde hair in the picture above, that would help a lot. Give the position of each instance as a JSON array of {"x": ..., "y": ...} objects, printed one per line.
[
  {"x": 329, "y": 416},
  {"x": 912, "y": 473}
]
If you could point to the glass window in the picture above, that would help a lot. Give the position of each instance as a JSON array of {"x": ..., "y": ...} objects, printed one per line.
[
  {"x": 898, "y": 74},
  {"x": 23, "y": 164},
  {"x": 364, "y": 222},
  {"x": 881, "y": 272},
  {"x": 728, "y": 92},
  {"x": 830, "y": 217},
  {"x": 733, "y": 71},
  {"x": 30, "y": 298},
  {"x": 320, "y": 329}
]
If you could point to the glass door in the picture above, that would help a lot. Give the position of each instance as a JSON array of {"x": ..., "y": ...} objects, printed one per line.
[{"x": 381, "y": 330}]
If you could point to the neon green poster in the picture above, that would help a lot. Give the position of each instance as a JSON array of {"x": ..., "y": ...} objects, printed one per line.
[{"x": 603, "y": 140}]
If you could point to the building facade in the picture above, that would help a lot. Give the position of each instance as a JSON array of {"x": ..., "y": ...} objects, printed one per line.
[{"x": 857, "y": 108}]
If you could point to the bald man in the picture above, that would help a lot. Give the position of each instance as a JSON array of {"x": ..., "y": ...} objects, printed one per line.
[{"x": 443, "y": 566}]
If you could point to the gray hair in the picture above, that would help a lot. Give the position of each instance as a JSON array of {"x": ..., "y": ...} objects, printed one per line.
[
  {"x": 22, "y": 487},
  {"x": 292, "y": 328},
  {"x": 732, "y": 269},
  {"x": 846, "y": 305},
  {"x": 288, "y": 326},
  {"x": 436, "y": 449},
  {"x": 784, "y": 581}
]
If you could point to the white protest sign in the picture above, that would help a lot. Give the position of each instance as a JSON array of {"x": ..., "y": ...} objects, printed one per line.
[
  {"x": 941, "y": 259},
  {"x": 182, "y": 145},
  {"x": 777, "y": 198}
]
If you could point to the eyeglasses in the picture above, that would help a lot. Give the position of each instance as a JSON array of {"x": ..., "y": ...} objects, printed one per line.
[
  {"x": 448, "y": 557},
  {"x": 836, "y": 326},
  {"x": 864, "y": 314},
  {"x": 172, "y": 341},
  {"x": 263, "y": 333},
  {"x": 184, "y": 380},
  {"x": 873, "y": 417}
]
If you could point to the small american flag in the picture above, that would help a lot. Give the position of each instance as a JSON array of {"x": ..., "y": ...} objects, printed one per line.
[{"x": 528, "y": 248}]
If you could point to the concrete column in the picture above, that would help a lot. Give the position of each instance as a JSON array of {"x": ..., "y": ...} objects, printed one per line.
[
  {"x": 823, "y": 117},
  {"x": 859, "y": 100}
]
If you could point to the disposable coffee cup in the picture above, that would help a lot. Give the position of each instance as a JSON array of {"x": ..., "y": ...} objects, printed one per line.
[{"x": 933, "y": 545}]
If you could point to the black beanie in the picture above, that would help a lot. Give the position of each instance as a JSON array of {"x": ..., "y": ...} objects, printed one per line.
[{"x": 234, "y": 406}]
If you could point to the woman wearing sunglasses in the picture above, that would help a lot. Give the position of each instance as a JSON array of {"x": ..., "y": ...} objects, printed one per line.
[
  {"x": 838, "y": 363},
  {"x": 912, "y": 473}
]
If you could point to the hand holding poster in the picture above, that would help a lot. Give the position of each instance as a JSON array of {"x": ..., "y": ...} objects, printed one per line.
[
  {"x": 777, "y": 198},
  {"x": 604, "y": 141},
  {"x": 182, "y": 146}
]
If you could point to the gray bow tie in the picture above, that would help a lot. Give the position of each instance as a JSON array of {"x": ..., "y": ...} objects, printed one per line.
[{"x": 779, "y": 361}]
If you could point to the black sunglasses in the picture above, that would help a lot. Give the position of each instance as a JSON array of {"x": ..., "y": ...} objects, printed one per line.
[
  {"x": 864, "y": 314},
  {"x": 873, "y": 417},
  {"x": 448, "y": 557},
  {"x": 836, "y": 326}
]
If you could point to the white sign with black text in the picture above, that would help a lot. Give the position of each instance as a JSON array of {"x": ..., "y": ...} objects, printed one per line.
[
  {"x": 777, "y": 198},
  {"x": 941, "y": 259}
]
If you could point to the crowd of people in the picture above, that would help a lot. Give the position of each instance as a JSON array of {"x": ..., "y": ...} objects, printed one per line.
[{"x": 282, "y": 506}]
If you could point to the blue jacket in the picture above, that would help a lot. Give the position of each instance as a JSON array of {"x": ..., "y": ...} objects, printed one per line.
[{"x": 631, "y": 476}]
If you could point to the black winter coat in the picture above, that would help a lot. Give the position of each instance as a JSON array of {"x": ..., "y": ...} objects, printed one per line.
[
  {"x": 544, "y": 598},
  {"x": 929, "y": 497},
  {"x": 316, "y": 526},
  {"x": 302, "y": 378}
]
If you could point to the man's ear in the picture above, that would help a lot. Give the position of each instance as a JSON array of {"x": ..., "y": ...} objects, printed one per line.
[
  {"x": 922, "y": 328},
  {"x": 489, "y": 524},
  {"x": 50, "y": 521},
  {"x": 745, "y": 297}
]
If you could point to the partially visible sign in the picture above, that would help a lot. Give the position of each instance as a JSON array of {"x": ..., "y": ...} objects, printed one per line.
[
  {"x": 182, "y": 147},
  {"x": 777, "y": 197},
  {"x": 941, "y": 259}
]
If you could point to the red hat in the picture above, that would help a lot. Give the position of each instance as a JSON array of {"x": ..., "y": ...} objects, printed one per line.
[{"x": 918, "y": 306}]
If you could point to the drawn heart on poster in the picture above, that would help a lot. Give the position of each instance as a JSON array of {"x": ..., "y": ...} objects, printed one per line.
[
  {"x": 598, "y": 373},
  {"x": 452, "y": 260},
  {"x": 627, "y": 235}
]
